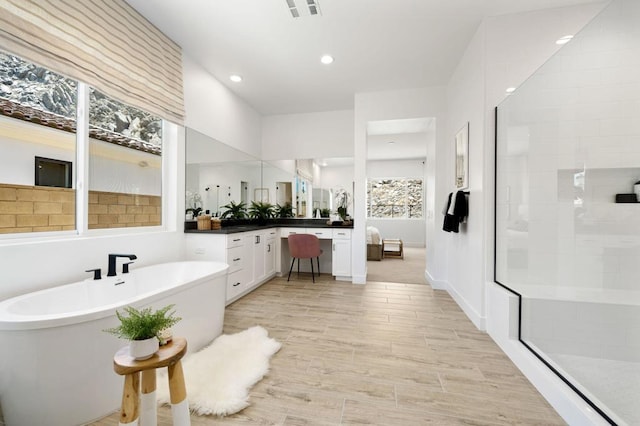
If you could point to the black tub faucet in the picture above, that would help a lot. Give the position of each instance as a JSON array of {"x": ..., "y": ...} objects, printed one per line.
[{"x": 112, "y": 262}]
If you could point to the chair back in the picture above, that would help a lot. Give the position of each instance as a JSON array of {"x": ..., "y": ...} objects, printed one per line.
[{"x": 304, "y": 246}]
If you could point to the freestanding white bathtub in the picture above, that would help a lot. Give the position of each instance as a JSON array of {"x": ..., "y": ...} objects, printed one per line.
[{"x": 56, "y": 363}]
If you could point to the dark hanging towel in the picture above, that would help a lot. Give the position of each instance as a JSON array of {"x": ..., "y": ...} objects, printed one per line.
[{"x": 456, "y": 214}]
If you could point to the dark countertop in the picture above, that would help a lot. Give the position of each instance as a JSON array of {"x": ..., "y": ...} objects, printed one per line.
[{"x": 244, "y": 225}]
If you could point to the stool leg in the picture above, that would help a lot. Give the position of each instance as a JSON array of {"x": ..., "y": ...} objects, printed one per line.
[
  {"x": 178, "y": 396},
  {"x": 313, "y": 277},
  {"x": 129, "y": 410},
  {"x": 148, "y": 405}
]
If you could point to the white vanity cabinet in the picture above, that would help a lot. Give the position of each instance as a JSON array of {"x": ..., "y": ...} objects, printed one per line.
[
  {"x": 341, "y": 254},
  {"x": 244, "y": 252},
  {"x": 270, "y": 252},
  {"x": 258, "y": 247},
  {"x": 340, "y": 240}
]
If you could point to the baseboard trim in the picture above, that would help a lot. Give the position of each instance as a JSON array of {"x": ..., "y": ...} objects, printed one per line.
[
  {"x": 478, "y": 320},
  {"x": 435, "y": 284},
  {"x": 359, "y": 279}
]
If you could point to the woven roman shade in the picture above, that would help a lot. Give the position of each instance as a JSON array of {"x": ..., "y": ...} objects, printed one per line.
[{"x": 104, "y": 43}]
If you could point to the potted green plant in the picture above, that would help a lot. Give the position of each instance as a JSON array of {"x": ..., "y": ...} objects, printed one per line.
[
  {"x": 234, "y": 211},
  {"x": 284, "y": 211},
  {"x": 142, "y": 328},
  {"x": 261, "y": 210}
]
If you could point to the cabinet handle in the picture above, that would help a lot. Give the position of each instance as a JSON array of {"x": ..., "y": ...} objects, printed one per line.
[
  {"x": 257, "y": 239},
  {"x": 318, "y": 233},
  {"x": 236, "y": 259},
  {"x": 236, "y": 240},
  {"x": 268, "y": 248},
  {"x": 236, "y": 284}
]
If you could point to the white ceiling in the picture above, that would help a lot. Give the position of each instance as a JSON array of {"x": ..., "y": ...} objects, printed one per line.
[{"x": 377, "y": 45}]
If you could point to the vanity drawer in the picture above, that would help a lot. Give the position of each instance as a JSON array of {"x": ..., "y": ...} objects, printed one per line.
[
  {"x": 322, "y": 233},
  {"x": 271, "y": 234},
  {"x": 235, "y": 240},
  {"x": 235, "y": 284},
  {"x": 285, "y": 232},
  {"x": 341, "y": 234},
  {"x": 235, "y": 258}
]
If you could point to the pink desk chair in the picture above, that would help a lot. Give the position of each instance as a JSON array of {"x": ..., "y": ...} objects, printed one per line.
[{"x": 304, "y": 246}]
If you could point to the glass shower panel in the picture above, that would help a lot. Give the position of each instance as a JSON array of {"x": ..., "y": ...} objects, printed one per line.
[{"x": 568, "y": 141}]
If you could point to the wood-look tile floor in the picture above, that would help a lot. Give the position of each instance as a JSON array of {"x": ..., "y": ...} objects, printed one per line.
[{"x": 380, "y": 353}]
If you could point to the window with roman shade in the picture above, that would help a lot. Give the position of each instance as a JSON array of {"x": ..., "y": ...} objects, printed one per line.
[{"x": 106, "y": 44}]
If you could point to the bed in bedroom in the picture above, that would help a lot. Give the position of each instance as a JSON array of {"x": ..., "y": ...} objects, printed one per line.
[{"x": 374, "y": 244}]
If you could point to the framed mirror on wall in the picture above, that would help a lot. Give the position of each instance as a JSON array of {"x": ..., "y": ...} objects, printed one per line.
[{"x": 462, "y": 157}]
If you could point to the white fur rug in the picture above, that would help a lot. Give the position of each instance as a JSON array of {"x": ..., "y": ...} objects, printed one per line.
[{"x": 218, "y": 378}]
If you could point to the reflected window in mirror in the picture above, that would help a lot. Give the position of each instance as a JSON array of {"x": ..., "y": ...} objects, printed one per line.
[
  {"x": 125, "y": 165},
  {"x": 38, "y": 144}
]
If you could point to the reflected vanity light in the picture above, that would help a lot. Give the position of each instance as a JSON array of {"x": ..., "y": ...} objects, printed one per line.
[
  {"x": 235, "y": 78},
  {"x": 510, "y": 90}
]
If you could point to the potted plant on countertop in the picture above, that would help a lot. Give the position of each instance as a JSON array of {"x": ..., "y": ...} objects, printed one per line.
[
  {"x": 143, "y": 328},
  {"x": 284, "y": 211},
  {"x": 234, "y": 210},
  {"x": 262, "y": 211}
]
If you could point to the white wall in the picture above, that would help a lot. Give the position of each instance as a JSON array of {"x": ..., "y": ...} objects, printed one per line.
[
  {"x": 217, "y": 112},
  {"x": 465, "y": 102},
  {"x": 21, "y": 141},
  {"x": 310, "y": 135}
]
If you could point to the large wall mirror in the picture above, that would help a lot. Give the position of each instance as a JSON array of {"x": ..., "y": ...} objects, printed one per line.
[{"x": 217, "y": 175}]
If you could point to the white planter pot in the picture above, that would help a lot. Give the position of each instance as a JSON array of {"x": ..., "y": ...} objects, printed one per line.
[{"x": 143, "y": 349}]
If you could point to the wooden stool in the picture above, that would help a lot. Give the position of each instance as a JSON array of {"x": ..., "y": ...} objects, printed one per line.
[
  {"x": 396, "y": 248},
  {"x": 167, "y": 356}
]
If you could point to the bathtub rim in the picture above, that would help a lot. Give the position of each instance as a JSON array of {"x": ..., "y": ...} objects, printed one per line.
[{"x": 16, "y": 322}]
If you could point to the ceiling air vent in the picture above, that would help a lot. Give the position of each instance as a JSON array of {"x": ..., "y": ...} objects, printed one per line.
[{"x": 300, "y": 8}]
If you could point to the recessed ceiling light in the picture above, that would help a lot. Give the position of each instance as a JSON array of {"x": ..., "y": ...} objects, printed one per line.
[
  {"x": 511, "y": 89},
  {"x": 326, "y": 59},
  {"x": 564, "y": 40},
  {"x": 235, "y": 78}
]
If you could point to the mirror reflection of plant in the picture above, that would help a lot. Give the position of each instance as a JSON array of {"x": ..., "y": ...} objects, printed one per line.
[
  {"x": 261, "y": 210},
  {"x": 284, "y": 211},
  {"x": 234, "y": 211},
  {"x": 325, "y": 212},
  {"x": 194, "y": 200}
]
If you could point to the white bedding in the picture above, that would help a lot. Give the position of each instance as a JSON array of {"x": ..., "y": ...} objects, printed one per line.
[{"x": 373, "y": 235}]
